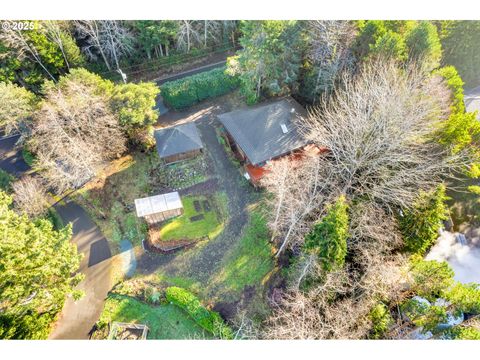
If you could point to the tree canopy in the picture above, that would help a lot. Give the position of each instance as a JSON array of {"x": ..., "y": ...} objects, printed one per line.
[
  {"x": 269, "y": 61},
  {"x": 36, "y": 267}
]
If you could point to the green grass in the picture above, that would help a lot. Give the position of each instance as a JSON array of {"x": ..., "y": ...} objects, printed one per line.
[
  {"x": 249, "y": 262},
  {"x": 164, "y": 321},
  {"x": 211, "y": 225}
]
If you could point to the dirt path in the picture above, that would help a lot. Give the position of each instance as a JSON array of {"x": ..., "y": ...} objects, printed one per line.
[{"x": 201, "y": 262}]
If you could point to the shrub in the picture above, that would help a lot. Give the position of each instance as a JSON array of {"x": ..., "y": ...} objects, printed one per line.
[
  {"x": 208, "y": 320},
  {"x": 420, "y": 225},
  {"x": 28, "y": 157},
  {"x": 188, "y": 91},
  {"x": 54, "y": 217},
  {"x": 381, "y": 320},
  {"x": 5, "y": 181},
  {"x": 328, "y": 238}
]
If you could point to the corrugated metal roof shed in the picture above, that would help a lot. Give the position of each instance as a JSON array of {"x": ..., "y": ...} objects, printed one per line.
[{"x": 157, "y": 204}]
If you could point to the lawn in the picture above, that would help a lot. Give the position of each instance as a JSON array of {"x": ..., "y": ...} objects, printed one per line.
[
  {"x": 164, "y": 321},
  {"x": 250, "y": 261},
  {"x": 212, "y": 224}
]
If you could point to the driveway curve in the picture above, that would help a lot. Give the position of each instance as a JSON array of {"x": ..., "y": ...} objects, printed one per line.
[{"x": 77, "y": 318}]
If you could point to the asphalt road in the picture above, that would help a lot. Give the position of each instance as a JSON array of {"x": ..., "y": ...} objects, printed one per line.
[
  {"x": 78, "y": 317},
  {"x": 11, "y": 159},
  {"x": 191, "y": 72}
]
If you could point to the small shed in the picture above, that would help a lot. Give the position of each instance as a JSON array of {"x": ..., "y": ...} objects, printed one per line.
[
  {"x": 158, "y": 208},
  {"x": 178, "y": 142}
]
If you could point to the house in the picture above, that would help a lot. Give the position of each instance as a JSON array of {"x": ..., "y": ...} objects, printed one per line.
[
  {"x": 178, "y": 143},
  {"x": 158, "y": 208},
  {"x": 264, "y": 133}
]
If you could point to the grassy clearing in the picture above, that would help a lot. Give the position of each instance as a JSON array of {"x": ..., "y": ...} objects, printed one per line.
[
  {"x": 165, "y": 321},
  {"x": 250, "y": 261},
  {"x": 211, "y": 225}
]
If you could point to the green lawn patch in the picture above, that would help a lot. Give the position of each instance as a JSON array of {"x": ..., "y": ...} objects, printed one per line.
[
  {"x": 207, "y": 319},
  {"x": 166, "y": 321},
  {"x": 212, "y": 224},
  {"x": 249, "y": 262}
]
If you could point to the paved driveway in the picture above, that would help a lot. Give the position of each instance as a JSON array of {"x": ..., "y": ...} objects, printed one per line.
[
  {"x": 11, "y": 159},
  {"x": 78, "y": 318}
]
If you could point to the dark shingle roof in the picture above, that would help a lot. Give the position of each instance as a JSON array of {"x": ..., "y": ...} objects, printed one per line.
[
  {"x": 258, "y": 130},
  {"x": 177, "y": 139}
]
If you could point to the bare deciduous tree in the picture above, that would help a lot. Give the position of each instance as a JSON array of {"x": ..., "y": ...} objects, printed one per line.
[
  {"x": 380, "y": 130},
  {"x": 109, "y": 38},
  {"x": 329, "y": 51},
  {"x": 74, "y": 133},
  {"x": 189, "y": 33},
  {"x": 30, "y": 196}
]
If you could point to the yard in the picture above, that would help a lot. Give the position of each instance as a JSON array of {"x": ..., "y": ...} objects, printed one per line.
[
  {"x": 165, "y": 321},
  {"x": 228, "y": 273},
  {"x": 109, "y": 200},
  {"x": 204, "y": 216}
]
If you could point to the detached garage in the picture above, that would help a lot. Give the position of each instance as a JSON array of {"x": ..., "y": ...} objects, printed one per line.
[{"x": 178, "y": 143}]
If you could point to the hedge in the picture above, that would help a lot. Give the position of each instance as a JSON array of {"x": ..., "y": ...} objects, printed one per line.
[
  {"x": 190, "y": 90},
  {"x": 208, "y": 320}
]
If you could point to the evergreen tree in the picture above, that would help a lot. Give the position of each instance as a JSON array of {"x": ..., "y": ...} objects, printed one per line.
[
  {"x": 269, "y": 62},
  {"x": 328, "y": 238},
  {"x": 36, "y": 267},
  {"x": 154, "y": 37},
  {"x": 424, "y": 45},
  {"x": 461, "y": 42},
  {"x": 420, "y": 225},
  {"x": 16, "y": 106},
  {"x": 135, "y": 104},
  {"x": 390, "y": 45}
]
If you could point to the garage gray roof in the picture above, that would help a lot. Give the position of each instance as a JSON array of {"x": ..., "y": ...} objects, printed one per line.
[
  {"x": 266, "y": 131},
  {"x": 177, "y": 139}
]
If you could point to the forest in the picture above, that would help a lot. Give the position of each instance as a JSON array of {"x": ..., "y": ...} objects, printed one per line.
[{"x": 345, "y": 236}]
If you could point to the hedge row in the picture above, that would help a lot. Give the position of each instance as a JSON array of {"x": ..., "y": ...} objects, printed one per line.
[
  {"x": 185, "y": 92},
  {"x": 208, "y": 320}
]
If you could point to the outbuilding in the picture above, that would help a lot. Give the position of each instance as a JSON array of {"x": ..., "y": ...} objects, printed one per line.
[
  {"x": 158, "y": 208},
  {"x": 178, "y": 143}
]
